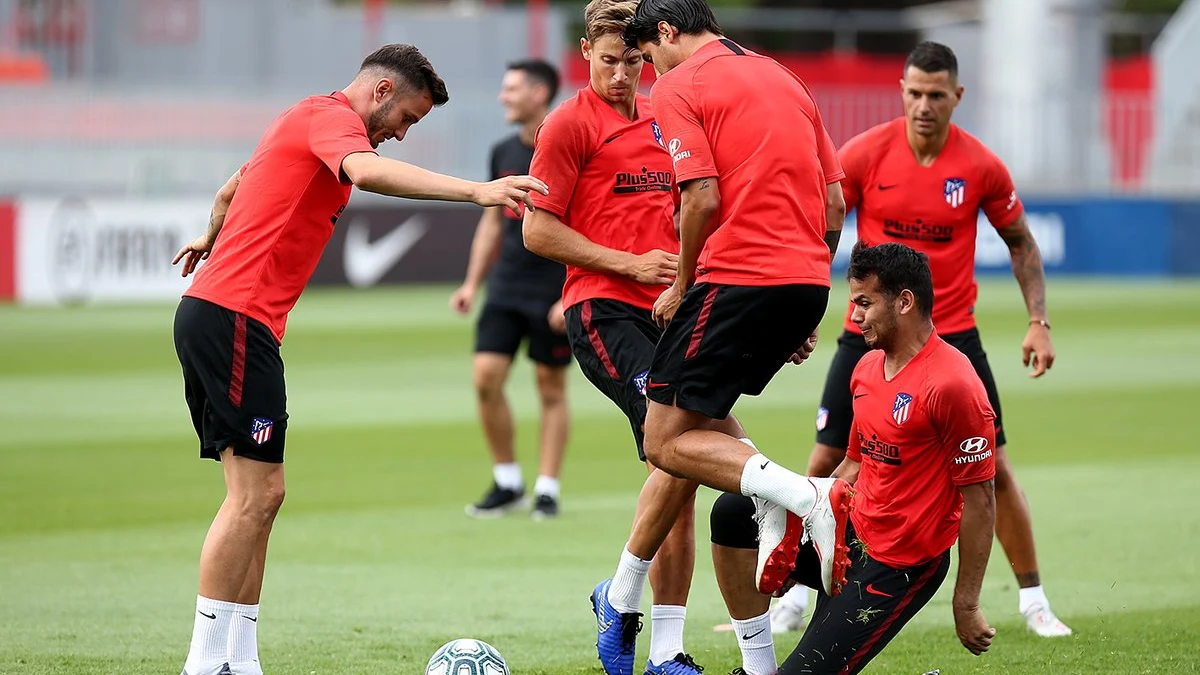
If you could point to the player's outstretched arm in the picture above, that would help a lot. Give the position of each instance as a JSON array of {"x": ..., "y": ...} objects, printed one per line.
[
  {"x": 485, "y": 249},
  {"x": 368, "y": 171},
  {"x": 1037, "y": 348},
  {"x": 976, "y": 529},
  {"x": 549, "y": 237},
  {"x": 198, "y": 249}
]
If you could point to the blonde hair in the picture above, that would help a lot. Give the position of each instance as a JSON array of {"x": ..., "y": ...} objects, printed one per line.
[{"x": 607, "y": 17}]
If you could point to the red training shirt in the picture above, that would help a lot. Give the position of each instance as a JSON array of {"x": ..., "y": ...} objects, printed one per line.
[
  {"x": 919, "y": 438},
  {"x": 933, "y": 209},
  {"x": 610, "y": 179},
  {"x": 751, "y": 123},
  {"x": 290, "y": 196}
]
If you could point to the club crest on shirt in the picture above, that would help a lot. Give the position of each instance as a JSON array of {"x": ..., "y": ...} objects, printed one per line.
[
  {"x": 955, "y": 190},
  {"x": 640, "y": 380},
  {"x": 657, "y": 133},
  {"x": 902, "y": 408},
  {"x": 260, "y": 429},
  {"x": 822, "y": 418}
]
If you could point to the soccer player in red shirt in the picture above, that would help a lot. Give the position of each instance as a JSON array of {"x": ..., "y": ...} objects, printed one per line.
[
  {"x": 269, "y": 225},
  {"x": 753, "y": 162},
  {"x": 922, "y": 460},
  {"x": 922, "y": 180},
  {"x": 610, "y": 218}
]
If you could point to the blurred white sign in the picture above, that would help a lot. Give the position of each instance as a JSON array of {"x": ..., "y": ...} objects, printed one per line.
[{"x": 76, "y": 251}]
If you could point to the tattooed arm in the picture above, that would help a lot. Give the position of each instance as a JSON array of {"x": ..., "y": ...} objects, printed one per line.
[
  {"x": 198, "y": 249},
  {"x": 1037, "y": 347}
]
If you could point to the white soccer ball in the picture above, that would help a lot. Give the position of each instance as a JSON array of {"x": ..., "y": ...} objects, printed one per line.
[{"x": 465, "y": 656}]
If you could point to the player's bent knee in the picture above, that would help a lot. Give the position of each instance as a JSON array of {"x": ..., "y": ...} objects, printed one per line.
[{"x": 731, "y": 522}]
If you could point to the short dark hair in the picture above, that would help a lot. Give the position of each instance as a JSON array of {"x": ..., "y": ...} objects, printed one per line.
[
  {"x": 691, "y": 17},
  {"x": 932, "y": 57},
  {"x": 540, "y": 72},
  {"x": 897, "y": 267},
  {"x": 408, "y": 63}
]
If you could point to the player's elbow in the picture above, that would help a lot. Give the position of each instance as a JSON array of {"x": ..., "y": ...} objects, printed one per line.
[
  {"x": 533, "y": 233},
  {"x": 363, "y": 171},
  {"x": 702, "y": 201}
]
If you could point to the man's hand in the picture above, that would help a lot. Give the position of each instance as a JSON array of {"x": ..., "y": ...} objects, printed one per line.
[
  {"x": 462, "y": 299},
  {"x": 973, "y": 630},
  {"x": 192, "y": 253},
  {"x": 557, "y": 318},
  {"x": 805, "y": 349},
  {"x": 1037, "y": 349},
  {"x": 510, "y": 191},
  {"x": 667, "y": 304},
  {"x": 654, "y": 268}
]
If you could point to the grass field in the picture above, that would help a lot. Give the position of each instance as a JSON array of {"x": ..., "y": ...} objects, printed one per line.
[{"x": 103, "y": 503}]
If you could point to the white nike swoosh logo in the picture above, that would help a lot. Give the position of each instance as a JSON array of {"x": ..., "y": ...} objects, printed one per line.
[{"x": 366, "y": 261}]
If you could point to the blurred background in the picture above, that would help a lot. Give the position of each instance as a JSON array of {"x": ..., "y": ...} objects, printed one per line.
[{"x": 138, "y": 108}]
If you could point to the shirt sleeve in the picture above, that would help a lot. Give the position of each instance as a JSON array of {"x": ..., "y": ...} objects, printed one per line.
[
  {"x": 854, "y": 160},
  {"x": 1000, "y": 202},
  {"x": 828, "y": 154},
  {"x": 854, "y": 447},
  {"x": 967, "y": 425},
  {"x": 679, "y": 120},
  {"x": 335, "y": 132},
  {"x": 494, "y": 163},
  {"x": 560, "y": 150}
]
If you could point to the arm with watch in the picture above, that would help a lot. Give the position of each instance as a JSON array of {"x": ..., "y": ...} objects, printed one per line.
[{"x": 1037, "y": 349}]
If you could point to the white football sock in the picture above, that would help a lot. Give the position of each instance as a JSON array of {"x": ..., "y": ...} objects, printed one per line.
[
  {"x": 1031, "y": 596},
  {"x": 796, "y": 599},
  {"x": 546, "y": 486},
  {"x": 758, "y": 649},
  {"x": 210, "y": 636},
  {"x": 508, "y": 476},
  {"x": 243, "y": 641},
  {"x": 767, "y": 480},
  {"x": 666, "y": 632},
  {"x": 625, "y": 592},
  {"x": 748, "y": 442}
]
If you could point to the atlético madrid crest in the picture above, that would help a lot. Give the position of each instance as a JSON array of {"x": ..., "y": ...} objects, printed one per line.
[
  {"x": 260, "y": 430},
  {"x": 657, "y": 133},
  {"x": 902, "y": 408},
  {"x": 956, "y": 191}
]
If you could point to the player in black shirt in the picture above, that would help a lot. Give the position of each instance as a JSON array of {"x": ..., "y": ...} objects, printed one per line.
[{"x": 523, "y": 304}]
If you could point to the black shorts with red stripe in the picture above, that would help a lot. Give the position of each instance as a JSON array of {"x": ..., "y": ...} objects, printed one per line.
[
  {"x": 232, "y": 381},
  {"x": 613, "y": 342},
  {"x": 726, "y": 341},
  {"x": 846, "y": 631}
]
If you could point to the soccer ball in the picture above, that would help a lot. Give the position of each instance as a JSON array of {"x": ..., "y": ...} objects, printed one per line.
[{"x": 465, "y": 656}]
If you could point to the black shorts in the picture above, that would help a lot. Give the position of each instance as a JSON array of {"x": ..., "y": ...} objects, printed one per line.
[
  {"x": 726, "y": 341},
  {"x": 501, "y": 329},
  {"x": 847, "y": 631},
  {"x": 232, "y": 381},
  {"x": 614, "y": 344},
  {"x": 837, "y": 411}
]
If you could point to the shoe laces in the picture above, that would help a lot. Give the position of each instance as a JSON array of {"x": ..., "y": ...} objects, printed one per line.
[
  {"x": 631, "y": 625},
  {"x": 686, "y": 661}
]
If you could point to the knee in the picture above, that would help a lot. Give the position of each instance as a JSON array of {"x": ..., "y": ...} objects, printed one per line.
[
  {"x": 657, "y": 453},
  {"x": 1005, "y": 480},
  {"x": 489, "y": 386},
  {"x": 551, "y": 387},
  {"x": 260, "y": 506},
  {"x": 731, "y": 522}
]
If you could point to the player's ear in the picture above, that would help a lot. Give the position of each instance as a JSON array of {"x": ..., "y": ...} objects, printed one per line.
[
  {"x": 382, "y": 88},
  {"x": 908, "y": 302},
  {"x": 585, "y": 48},
  {"x": 958, "y": 91}
]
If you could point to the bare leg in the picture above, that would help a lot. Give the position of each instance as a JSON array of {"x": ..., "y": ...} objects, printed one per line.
[
  {"x": 490, "y": 374},
  {"x": 556, "y": 422},
  {"x": 1014, "y": 525}
]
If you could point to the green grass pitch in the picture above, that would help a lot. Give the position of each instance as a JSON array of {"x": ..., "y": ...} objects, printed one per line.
[{"x": 104, "y": 504}]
